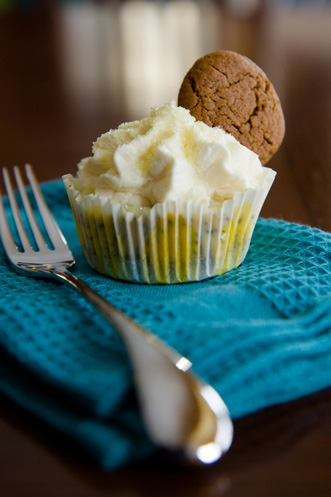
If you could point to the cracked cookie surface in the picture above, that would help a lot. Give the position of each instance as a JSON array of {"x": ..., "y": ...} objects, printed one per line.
[{"x": 229, "y": 90}]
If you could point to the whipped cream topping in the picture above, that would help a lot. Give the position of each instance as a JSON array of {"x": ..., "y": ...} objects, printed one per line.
[{"x": 168, "y": 156}]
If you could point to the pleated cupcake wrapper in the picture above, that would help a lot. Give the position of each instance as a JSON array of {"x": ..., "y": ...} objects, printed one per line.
[{"x": 173, "y": 242}]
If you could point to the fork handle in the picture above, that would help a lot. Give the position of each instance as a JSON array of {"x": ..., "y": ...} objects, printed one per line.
[
  {"x": 124, "y": 325},
  {"x": 171, "y": 399}
]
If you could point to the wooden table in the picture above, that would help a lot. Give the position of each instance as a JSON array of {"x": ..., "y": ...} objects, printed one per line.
[{"x": 69, "y": 73}]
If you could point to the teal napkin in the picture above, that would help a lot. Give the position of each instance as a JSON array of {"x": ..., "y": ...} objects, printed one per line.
[{"x": 260, "y": 334}]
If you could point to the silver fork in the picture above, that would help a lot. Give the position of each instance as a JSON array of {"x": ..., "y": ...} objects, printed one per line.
[{"x": 181, "y": 412}]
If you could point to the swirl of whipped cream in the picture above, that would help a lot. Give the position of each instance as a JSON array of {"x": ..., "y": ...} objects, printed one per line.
[{"x": 168, "y": 156}]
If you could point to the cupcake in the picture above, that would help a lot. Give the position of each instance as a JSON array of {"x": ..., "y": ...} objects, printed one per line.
[{"x": 168, "y": 199}]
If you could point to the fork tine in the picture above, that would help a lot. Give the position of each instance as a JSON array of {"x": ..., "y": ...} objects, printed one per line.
[
  {"x": 39, "y": 239},
  {"x": 5, "y": 233},
  {"x": 15, "y": 210},
  {"x": 53, "y": 230}
]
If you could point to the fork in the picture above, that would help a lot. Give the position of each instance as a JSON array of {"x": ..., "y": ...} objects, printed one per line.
[{"x": 181, "y": 412}]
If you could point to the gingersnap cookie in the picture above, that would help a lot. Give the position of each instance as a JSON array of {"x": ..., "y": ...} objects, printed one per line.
[{"x": 229, "y": 90}]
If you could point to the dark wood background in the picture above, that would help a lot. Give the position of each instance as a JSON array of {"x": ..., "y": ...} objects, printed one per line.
[{"x": 69, "y": 71}]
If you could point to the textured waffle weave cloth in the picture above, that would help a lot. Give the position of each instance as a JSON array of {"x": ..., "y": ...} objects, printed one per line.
[{"x": 260, "y": 334}]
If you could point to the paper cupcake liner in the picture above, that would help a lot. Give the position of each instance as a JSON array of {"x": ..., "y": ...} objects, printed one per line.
[{"x": 173, "y": 242}]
